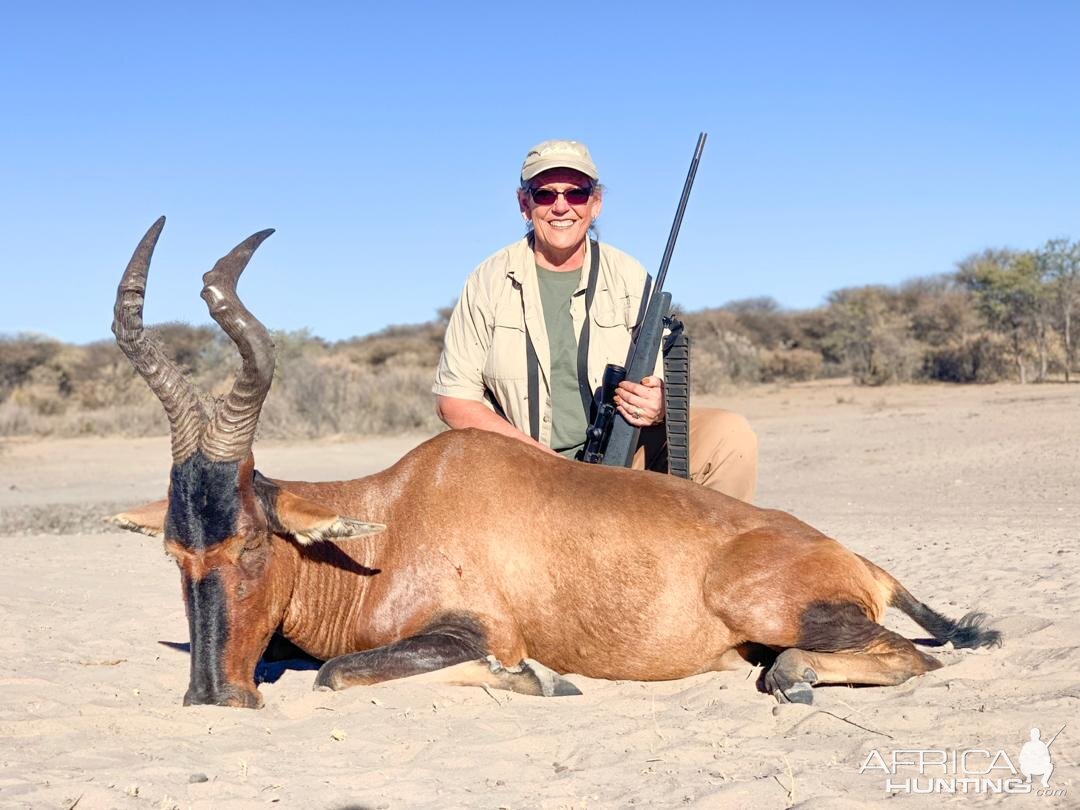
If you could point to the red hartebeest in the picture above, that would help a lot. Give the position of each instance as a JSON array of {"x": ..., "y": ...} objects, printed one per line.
[{"x": 475, "y": 549}]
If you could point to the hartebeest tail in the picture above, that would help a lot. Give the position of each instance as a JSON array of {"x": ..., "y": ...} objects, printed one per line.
[
  {"x": 967, "y": 632},
  {"x": 476, "y": 550}
]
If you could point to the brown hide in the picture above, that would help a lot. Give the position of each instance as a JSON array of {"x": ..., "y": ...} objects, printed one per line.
[{"x": 613, "y": 573}]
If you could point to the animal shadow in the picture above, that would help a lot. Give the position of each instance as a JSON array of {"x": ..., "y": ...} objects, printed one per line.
[{"x": 280, "y": 656}]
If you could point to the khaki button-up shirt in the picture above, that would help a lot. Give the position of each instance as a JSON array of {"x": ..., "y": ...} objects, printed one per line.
[{"x": 483, "y": 355}]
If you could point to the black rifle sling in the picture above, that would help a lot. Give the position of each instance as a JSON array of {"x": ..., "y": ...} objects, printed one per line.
[
  {"x": 532, "y": 362},
  {"x": 532, "y": 365},
  {"x": 644, "y": 303},
  {"x": 583, "y": 340}
]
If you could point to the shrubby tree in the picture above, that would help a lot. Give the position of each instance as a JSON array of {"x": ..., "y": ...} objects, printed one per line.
[
  {"x": 871, "y": 335},
  {"x": 20, "y": 355},
  {"x": 1010, "y": 296},
  {"x": 1060, "y": 270}
]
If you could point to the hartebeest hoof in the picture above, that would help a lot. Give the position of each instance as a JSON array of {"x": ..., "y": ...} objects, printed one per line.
[
  {"x": 799, "y": 692},
  {"x": 532, "y": 678},
  {"x": 789, "y": 681},
  {"x": 330, "y": 677},
  {"x": 234, "y": 696}
]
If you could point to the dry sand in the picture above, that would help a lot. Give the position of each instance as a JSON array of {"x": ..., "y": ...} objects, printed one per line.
[{"x": 968, "y": 495}]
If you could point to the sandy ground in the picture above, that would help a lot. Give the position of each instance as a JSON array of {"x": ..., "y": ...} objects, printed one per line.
[{"x": 968, "y": 495}]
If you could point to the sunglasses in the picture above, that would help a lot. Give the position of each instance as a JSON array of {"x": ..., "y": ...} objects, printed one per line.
[{"x": 548, "y": 196}]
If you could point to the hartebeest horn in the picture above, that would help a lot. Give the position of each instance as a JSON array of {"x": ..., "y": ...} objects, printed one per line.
[
  {"x": 231, "y": 431},
  {"x": 187, "y": 417}
]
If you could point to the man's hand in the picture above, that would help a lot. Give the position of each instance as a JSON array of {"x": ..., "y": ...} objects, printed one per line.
[{"x": 641, "y": 404}]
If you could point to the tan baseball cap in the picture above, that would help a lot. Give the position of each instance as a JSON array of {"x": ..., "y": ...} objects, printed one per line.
[{"x": 558, "y": 155}]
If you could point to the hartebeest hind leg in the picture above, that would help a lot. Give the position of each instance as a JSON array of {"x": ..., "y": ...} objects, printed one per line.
[
  {"x": 851, "y": 649},
  {"x": 449, "y": 652}
]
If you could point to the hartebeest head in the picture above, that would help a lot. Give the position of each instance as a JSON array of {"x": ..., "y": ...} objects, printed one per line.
[{"x": 231, "y": 537}]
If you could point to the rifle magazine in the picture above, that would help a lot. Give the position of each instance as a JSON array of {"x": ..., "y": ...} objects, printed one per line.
[{"x": 677, "y": 404}]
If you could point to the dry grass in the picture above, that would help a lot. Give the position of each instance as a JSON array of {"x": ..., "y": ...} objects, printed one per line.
[{"x": 927, "y": 329}]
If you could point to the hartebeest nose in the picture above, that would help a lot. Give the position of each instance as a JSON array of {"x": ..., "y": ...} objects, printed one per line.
[{"x": 234, "y": 696}]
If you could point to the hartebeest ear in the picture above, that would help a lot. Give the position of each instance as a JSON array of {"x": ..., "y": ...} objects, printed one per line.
[
  {"x": 146, "y": 519},
  {"x": 311, "y": 522}
]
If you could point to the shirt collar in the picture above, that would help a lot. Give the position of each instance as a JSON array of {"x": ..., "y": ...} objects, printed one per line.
[{"x": 522, "y": 260}]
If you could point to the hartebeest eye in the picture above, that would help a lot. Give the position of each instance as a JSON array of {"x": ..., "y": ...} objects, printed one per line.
[
  {"x": 252, "y": 552},
  {"x": 253, "y": 541}
]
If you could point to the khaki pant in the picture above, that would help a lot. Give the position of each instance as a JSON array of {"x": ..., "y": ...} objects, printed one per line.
[{"x": 723, "y": 452}]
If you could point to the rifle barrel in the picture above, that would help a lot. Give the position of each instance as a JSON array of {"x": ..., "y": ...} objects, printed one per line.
[{"x": 670, "y": 248}]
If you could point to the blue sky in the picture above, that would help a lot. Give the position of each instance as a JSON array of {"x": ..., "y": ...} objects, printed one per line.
[{"x": 849, "y": 143}]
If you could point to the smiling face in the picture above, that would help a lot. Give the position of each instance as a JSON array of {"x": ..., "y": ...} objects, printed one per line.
[{"x": 560, "y": 229}]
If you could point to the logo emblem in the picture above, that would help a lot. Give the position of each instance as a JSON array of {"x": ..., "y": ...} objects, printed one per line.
[
  {"x": 1035, "y": 757},
  {"x": 967, "y": 770}
]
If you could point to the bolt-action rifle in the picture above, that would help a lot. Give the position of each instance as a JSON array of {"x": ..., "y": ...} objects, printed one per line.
[{"x": 609, "y": 440}]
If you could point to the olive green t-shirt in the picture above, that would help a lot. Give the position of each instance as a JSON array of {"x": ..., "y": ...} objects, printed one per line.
[{"x": 568, "y": 420}]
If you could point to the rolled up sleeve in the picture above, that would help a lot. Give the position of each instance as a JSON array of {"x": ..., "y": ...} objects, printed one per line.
[{"x": 465, "y": 346}]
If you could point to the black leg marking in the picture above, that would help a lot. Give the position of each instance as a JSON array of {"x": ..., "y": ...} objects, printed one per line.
[
  {"x": 447, "y": 641},
  {"x": 836, "y": 627}
]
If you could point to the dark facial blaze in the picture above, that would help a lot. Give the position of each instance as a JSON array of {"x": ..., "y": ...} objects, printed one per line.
[
  {"x": 206, "y": 513},
  {"x": 209, "y": 631},
  {"x": 204, "y": 502}
]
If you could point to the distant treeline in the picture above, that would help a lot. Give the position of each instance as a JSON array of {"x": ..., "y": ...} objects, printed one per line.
[{"x": 1002, "y": 315}]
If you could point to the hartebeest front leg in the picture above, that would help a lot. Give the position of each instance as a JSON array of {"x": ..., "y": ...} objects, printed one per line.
[
  {"x": 435, "y": 657},
  {"x": 452, "y": 649}
]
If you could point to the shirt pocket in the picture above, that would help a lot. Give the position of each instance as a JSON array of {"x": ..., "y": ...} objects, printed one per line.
[
  {"x": 610, "y": 337},
  {"x": 615, "y": 311},
  {"x": 506, "y": 354}
]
